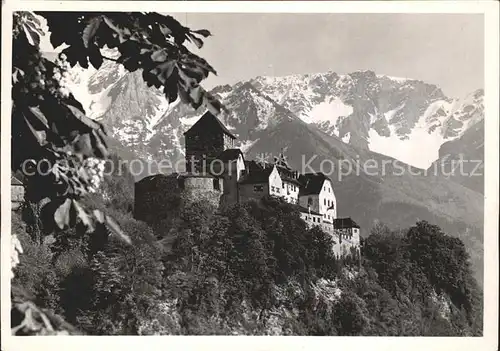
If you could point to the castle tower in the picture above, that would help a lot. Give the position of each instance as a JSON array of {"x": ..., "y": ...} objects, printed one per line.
[{"x": 205, "y": 140}]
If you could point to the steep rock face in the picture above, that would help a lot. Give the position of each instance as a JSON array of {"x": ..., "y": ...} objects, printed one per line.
[
  {"x": 392, "y": 116},
  {"x": 462, "y": 160},
  {"x": 329, "y": 117},
  {"x": 403, "y": 118}
]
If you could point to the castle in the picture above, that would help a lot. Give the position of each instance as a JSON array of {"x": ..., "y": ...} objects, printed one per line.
[{"x": 218, "y": 172}]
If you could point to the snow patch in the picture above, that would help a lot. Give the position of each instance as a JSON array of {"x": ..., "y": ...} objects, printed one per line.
[
  {"x": 189, "y": 121},
  {"x": 396, "y": 79},
  {"x": 265, "y": 109},
  {"x": 390, "y": 114},
  {"x": 247, "y": 144},
  {"x": 420, "y": 150},
  {"x": 327, "y": 111}
]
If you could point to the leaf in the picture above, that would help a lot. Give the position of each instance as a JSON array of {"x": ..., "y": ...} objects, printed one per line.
[
  {"x": 100, "y": 149},
  {"x": 15, "y": 75},
  {"x": 115, "y": 229},
  {"x": 99, "y": 216},
  {"x": 32, "y": 36},
  {"x": 165, "y": 30},
  {"x": 83, "y": 216},
  {"x": 197, "y": 41},
  {"x": 56, "y": 38},
  {"x": 159, "y": 56},
  {"x": 40, "y": 135},
  {"x": 35, "y": 111},
  {"x": 62, "y": 214},
  {"x": 72, "y": 54},
  {"x": 164, "y": 70},
  {"x": 131, "y": 64},
  {"x": 83, "y": 144},
  {"x": 170, "y": 87},
  {"x": 203, "y": 32},
  {"x": 90, "y": 30},
  {"x": 95, "y": 56},
  {"x": 79, "y": 115}
]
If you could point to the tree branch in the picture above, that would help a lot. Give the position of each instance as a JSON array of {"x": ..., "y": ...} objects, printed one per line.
[{"x": 109, "y": 58}]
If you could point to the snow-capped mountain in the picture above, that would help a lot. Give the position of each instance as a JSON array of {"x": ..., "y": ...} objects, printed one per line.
[
  {"x": 329, "y": 116},
  {"x": 403, "y": 118}
]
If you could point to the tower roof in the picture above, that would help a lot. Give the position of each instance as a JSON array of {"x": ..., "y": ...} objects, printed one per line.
[
  {"x": 206, "y": 122},
  {"x": 230, "y": 155},
  {"x": 344, "y": 223},
  {"x": 312, "y": 183}
]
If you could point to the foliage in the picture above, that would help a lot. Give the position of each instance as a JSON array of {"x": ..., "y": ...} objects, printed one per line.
[
  {"x": 51, "y": 124},
  {"x": 426, "y": 272},
  {"x": 56, "y": 146},
  {"x": 222, "y": 274},
  {"x": 253, "y": 268}
]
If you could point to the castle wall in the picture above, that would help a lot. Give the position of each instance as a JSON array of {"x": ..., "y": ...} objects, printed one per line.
[
  {"x": 290, "y": 192},
  {"x": 203, "y": 189},
  {"x": 311, "y": 219},
  {"x": 159, "y": 198},
  {"x": 310, "y": 201},
  {"x": 17, "y": 196},
  {"x": 252, "y": 191},
  {"x": 275, "y": 184},
  {"x": 326, "y": 200},
  {"x": 207, "y": 145},
  {"x": 228, "y": 142},
  {"x": 346, "y": 240}
]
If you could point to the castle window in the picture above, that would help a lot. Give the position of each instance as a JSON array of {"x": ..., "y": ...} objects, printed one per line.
[
  {"x": 216, "y": 184},
  {"x": 258, "y": 188}
]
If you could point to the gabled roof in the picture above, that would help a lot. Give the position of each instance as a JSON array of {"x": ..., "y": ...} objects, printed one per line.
[
  {"x": 312, "y": 183},
  {"x": 15, "y": 181},
  {"x": 287, "y": 175},
  {"x": 230, "y": 155},
  {"x": 208, "y": 120},
  {"x": 344, "y": 223},
  {"x": 256, "y": 174}
]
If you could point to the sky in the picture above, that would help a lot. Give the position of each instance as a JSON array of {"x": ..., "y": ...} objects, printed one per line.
[{"x": 443, "y": 49}]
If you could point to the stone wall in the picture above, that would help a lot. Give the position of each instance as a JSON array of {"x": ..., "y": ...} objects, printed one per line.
[
  {"x": 159, "y": 198},
  {"x": 311, "y": 219},
  {"x": 17, "y": 196},
  {"x": 346, "y": 240},
  {"x": 203, "y": 189},
  {"x": 249, "y": 192},
  {"x": 207, "y": 145}
]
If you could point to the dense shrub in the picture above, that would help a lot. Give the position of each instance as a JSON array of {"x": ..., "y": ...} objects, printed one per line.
[{"x": 254, "y": 268}]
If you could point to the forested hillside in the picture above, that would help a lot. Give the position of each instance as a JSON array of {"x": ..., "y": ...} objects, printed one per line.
[{"x": 253, "y": 269}]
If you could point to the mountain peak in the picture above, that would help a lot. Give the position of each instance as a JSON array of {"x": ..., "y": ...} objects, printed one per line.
[{"x": 390, "y": 115}]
